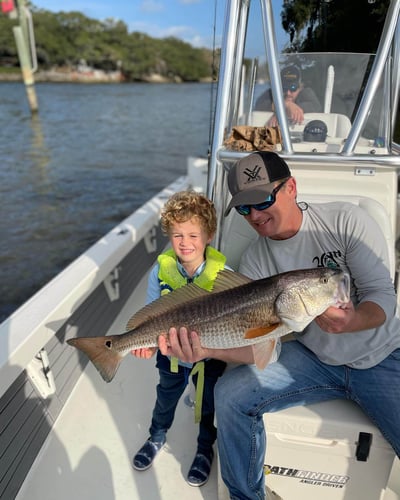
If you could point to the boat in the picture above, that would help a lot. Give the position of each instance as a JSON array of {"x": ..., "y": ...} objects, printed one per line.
[{"x": 65, "y": 433}]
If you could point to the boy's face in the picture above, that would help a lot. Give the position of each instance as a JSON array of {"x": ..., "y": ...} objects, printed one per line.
[{"x": 189, "y": 240}]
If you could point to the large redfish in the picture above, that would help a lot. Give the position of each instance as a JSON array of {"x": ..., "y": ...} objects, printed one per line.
[{"x": 238, "y": 312}]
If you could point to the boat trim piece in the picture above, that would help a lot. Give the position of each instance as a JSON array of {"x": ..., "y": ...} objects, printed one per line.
[{"x": 40, "y": 374}]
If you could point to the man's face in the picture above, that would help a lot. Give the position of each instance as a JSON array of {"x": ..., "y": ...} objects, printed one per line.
[
  {"x": 291, "y": 92},
  {"x": 280, "y": 221}
]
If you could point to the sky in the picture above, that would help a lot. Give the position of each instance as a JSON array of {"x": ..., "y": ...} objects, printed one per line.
[{"x": 189, "y": 20}]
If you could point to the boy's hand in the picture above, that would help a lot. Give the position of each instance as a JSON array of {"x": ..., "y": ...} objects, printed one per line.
[{"x": 144, "y": 352}]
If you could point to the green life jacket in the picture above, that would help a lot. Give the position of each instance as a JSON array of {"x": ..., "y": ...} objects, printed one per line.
[{"x": 170, "y": 278}]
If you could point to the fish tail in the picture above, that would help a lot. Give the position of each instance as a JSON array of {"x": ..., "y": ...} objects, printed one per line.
[{"x": 101, "y": 353}]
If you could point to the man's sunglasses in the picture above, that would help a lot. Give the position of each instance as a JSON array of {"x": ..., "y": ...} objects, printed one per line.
[
  {"x": 292, "y": 88},
  {"x": 246, "y": 209}
]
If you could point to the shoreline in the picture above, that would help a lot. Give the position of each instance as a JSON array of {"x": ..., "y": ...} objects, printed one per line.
[{"x": 95, "y": 76}]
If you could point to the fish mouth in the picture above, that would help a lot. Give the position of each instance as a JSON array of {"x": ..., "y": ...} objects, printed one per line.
[{"x": 343, "y": 290}]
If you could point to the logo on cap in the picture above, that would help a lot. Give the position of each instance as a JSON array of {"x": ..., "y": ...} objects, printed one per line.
[{"x": 252, "y": 174}]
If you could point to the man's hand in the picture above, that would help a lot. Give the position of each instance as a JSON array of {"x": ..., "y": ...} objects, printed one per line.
[
  {"x": 335, "y": 320},
  {"x": 186, "y": 346},
  {"x": 182, "y": 345},
  {"x": 294, "y": 112},
  {"x": 349, "y": 319}
]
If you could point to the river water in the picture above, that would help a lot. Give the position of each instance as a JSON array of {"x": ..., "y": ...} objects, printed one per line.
[{"x": 92, "y": 155}]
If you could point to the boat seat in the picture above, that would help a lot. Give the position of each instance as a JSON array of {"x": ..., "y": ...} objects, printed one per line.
[
  {"x": 338, "y": 125},
  {"x": 240, "y": 233},
  {"x": 332, "y": 447}
]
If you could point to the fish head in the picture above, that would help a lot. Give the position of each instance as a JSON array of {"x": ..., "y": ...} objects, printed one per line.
[{"x": 308, "y": 293}]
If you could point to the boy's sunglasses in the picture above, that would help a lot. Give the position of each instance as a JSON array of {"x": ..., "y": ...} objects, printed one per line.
[
  {"x": 292, "y": 87},
  {"x": 270, "y": 200}
]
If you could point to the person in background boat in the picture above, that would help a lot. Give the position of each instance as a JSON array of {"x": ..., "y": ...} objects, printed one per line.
[
  {"x": 345, "y": 353},
  {"x": 298, "y": 99},
  {"x": 189, "y": 220}
]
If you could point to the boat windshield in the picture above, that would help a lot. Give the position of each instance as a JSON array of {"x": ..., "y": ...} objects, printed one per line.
[
  {"x": 328, "y": 87},
  {"x": 340, "y": 94}
]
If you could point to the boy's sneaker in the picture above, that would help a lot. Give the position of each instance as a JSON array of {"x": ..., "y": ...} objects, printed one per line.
[
  {"x": 199, "y": 471},
  {"x": 147, "y": 453}
]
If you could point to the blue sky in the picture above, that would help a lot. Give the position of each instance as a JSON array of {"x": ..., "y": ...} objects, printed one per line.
[{"x": 189, "y": 20}]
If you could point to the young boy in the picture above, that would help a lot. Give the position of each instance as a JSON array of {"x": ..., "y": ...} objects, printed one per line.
[{"x": 189, "y": 220}]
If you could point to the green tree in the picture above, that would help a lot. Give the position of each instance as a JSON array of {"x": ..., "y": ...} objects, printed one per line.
[
  {"x": 183, "y": 60},
  {"x": 316, "y": 25},
  {"x": 8, "y": 50}
]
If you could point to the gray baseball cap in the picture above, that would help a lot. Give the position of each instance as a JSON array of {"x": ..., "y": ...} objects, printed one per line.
[{"x": 252, "y": 178}]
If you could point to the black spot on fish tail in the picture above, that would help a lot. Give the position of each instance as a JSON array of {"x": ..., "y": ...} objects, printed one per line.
[{"x": 101, "y": 353}]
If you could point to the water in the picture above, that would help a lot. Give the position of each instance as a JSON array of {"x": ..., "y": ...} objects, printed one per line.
[{"x": 92, "y": 156}]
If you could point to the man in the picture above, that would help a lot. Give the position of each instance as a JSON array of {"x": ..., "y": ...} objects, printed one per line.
[
  {"x": 297, "y": 98},
  {"x": 349, "y": 353}
]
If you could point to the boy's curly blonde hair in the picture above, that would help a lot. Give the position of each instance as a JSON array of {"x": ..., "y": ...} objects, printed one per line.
[{"x": 184, "y": 206}]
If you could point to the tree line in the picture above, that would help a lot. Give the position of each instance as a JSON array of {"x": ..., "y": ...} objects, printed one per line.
[{"x": 64, "y": 39}]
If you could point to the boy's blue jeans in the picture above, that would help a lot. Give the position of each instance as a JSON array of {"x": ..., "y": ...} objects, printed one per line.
[
  {"x": 169, "y": 390},
  {"x": 243, "y": 394}
]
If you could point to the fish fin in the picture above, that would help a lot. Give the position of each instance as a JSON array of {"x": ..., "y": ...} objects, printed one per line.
[
  {"x": 165, "y": 303},
  {"x": 101, "y": 353},
  {"x": 260, "y": 331},
  {"x": 262, "y": 352},
  {"x": 227, "y": 279}
]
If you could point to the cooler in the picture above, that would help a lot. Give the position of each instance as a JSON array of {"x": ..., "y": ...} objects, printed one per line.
[{"x": 327, "y": 450}]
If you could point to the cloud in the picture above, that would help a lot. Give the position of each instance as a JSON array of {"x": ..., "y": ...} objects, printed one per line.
[
  {"x": 152, "y": 6},
  {"x": 156, "y": 31},
  {"x": 186, "y": 33}
]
